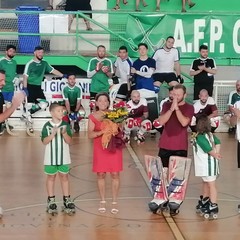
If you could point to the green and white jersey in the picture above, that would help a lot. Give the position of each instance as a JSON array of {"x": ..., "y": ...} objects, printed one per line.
[
  {"x": 57, "y": 151},
  {"x": 10, "y": 67},
  {"x": 35, "y": 71},
  {"x": 99, "y": 79},
  {"x": 205, "y": 165},
  {"x": 72, "y": 94}
]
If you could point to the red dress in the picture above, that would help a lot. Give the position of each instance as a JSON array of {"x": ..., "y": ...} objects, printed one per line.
[{"x": 104, "y": 160}]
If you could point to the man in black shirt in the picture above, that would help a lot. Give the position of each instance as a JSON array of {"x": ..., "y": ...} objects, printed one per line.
[{"x": 203, "y": 70}]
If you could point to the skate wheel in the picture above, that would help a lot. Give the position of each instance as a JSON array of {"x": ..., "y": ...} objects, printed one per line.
[
  {"x": 206, "y": 216},
  {"x": 215, "y": 216}
]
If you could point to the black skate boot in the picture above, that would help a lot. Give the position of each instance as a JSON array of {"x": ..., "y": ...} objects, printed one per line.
[
  {"x": 211, "y": 211},
  {"x": 52, "y": 206},
  {"x": 69, "y": 206},
  {"x": 76, "y": 127},
  {"x": 202, "y": 204},
  {"x": 140, "y": 139}
]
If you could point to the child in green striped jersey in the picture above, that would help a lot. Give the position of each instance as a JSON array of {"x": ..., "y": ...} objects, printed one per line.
[
  {"x": 56, "y": 135},
  {"x": 206, "y": 150}
]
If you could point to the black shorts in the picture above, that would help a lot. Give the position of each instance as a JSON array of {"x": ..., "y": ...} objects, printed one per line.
[
  {"x": 165, "y": 77},
  {"x": 122, "y": 92},
  {"x": 165, "y": 154},
  {"x": 35, "y": 92},
  {"x": 93, "y": 95},
  {"x": 72, "y": 108}
]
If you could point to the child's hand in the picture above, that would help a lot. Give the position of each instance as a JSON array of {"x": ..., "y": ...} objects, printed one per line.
[
  {"x": 54, "y": 130},
  {"x": 217, "y": 155}
]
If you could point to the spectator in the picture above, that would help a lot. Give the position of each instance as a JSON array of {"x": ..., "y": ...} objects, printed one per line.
[
  {"x": 138, "y": 118},
  {"x": 203, "y": 70},
  {"x": 190, "y": 4},
  {"x": 205, "y": 106},
  {"x": 143, "y": 69},
  {"x": 99, "y": 70},
  {"x": 83, "y": 5},
  {"x": 229, "y": 116},
  {"x": 122, "y": 68},
  {"x": 137, "y": 5},
  {"x": 167, "y": 59},
  {"x": 117, "y": 6}
]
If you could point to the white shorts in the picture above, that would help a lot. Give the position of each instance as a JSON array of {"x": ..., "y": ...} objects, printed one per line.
[{"x": 209, "y": 178}]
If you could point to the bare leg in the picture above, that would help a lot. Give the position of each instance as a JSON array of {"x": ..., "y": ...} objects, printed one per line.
[
  {"x": 50, "y": 184},
  {"x": 88, "y": 25},
  {"x": 64, "y": 184},
  {"x": 190, "y": 3},
  {"x": 70, "y": 20},
  {"x": 101, "y": 188},
  {"x": 117, "y": 6},
  {"x": 183, "y": 5},
  {"x": 213, "y": 191},
  {"x": 158, "y": 5},
  {"x": 115, "y": 190},
  {"x": 205, "y": 189},
  {"x": 144, "y": 3},
  {"x": 137, "y": 5}
]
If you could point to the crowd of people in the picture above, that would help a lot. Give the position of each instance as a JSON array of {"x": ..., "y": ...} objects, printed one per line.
[{"x": 138, "y": 81}]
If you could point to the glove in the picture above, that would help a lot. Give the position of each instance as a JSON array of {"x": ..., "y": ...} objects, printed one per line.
[
  {"x": 26, "y": 91},
  {"x": 72, "y": 117},
  {"x": 180, "y": 79},
  {"x": 137, "y": 122}
]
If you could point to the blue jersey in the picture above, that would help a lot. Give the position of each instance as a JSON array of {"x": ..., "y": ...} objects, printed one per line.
[{"x": 144, "y": 66}]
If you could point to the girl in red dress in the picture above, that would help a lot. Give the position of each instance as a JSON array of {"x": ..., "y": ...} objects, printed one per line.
[{"x": 104, "y": 160}]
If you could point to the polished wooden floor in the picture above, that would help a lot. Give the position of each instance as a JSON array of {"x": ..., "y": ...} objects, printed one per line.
[{"x": 23, "y": 197}]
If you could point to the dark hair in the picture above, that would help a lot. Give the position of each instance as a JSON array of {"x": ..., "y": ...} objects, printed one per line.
[
  {"x": 143, "y": 44},
  {"x": 180, "y": 86},
  {"x": 170, "y": 89},
  {"x": 170, "y": 37},
  {"x": 101, "y": 46},
  {"x": 54, "y": 105},
  {"x": 123, "y": 48},
  {"x": 71, "y": 74},
  {"x": 102, "y": 94},
  {"x": 204, "y": 47},
  {"x": 37, "y": 48},
  {"x": 9, "y": 46},
  {"x": 2, "y": 72},
  {"x": 203, "y": 124}
]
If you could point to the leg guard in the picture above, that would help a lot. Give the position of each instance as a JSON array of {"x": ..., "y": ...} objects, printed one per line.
[
  {"x": 128, "y": 127},
  {"x": 145, "y": 126}
]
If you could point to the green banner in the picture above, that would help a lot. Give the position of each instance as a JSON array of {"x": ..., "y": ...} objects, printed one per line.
[{"x": 220, "y": 32}]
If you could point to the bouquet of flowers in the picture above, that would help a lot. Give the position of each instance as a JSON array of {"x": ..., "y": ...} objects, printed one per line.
[{"x": 112, "y": 137}]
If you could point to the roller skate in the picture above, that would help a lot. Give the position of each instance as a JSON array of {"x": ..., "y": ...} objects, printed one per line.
[
  {"x": 52, "y": 206},
  {"x": 202, "y": 204},
  {"x": 126, "y": 138},
  {"x": 68, "y": 206},
  {"x": 140, "y": 139},
  {"x": 211, "y": 211},
  {"x": 76, "y": 127}
]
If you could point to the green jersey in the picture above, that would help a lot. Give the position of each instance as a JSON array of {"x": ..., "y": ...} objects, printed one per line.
[
  {"x": 10, "y": 67},
  {"x": 99, "y": 79},
  {"x": 35, "y": 71},
  {"x": 56, "y": 151},
  {"x": 72, "y": 94}
]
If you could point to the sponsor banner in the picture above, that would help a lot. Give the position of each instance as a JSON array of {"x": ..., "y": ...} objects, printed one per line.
[{"x": 219, "y": 31}]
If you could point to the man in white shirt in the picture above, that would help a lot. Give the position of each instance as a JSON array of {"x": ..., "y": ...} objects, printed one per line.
[
  {"x": 122, "y": 69},
  {"x": 167, "y": 60},
  {"x": 205, "y": 105}
]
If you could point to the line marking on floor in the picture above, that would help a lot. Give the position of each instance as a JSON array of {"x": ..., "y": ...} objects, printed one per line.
[{"x": 170, "y": 221}]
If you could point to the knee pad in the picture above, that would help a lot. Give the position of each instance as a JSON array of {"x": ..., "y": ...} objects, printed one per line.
[
  {"x": 137, "y": 122},
  {"x": 215, "y": 122},
  {"x": 146, "y": 125},
  {"x": 156, "y": 124},
  {"x": 129, "y": 123},
  {"x": 92, "y": 104}
]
